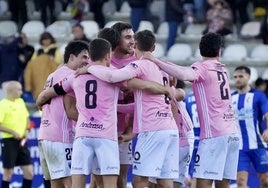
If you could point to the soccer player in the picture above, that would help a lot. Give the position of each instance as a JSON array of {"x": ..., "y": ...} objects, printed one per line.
[
  {"x": 56, "y": 135},
  {"x": 96, "y": 129},
  {"x": 192, "y": 111},
  {"x": 123, "y": 54},
  {"x": 250, "y": 106},
  {"x": 14, "y": 125},
  {"x": 153, "y": 118},
  {"x": 218, "y": 127}
]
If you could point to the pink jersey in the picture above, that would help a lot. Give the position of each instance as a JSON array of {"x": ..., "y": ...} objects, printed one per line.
[
  {"x": 152, "y": 112},
  {"x": 55, "y": 125},
  {"x": 119, "y": 63},
  {"x": 96, "y": 103},
  {"x": 213, "y": 99},
  {"x": 184, "y": 124}
]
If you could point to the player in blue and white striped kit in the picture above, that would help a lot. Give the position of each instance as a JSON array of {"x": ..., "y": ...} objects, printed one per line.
[{"x": 251, "y": 107}]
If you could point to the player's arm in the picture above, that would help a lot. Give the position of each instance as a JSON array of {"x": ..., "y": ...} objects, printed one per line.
[
  {"x": 180, "y": 72},
  {"x": 70, "y": 107},
  {"x": 149, "y": 86},
  {"x": 264, "y": 109},
  {"x": 45, "y": 96},
  {"x": 128, "y": 134},
  {"x": 10, "y": 131},
  {"x": 265, "y": 132},
  {"x": 179, "y": 94},
  {"x": 107, "y": 74}
]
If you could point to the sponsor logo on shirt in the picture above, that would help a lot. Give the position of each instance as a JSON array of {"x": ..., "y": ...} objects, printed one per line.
[
  {"x": 163, "y": 114},
  {"x": 92, "y": 125},
  {"x": 243, "y": 114},
  {"x": 229, "y": 115}
]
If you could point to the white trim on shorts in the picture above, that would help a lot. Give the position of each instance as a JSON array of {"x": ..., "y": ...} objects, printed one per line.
[
  {"x": 55, "y": 159},
  {"x": 97, "y": 155},
  {"x": 217, "y": 158}
]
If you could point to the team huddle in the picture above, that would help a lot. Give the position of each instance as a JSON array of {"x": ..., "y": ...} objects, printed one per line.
[
  {"x": 125, "y": 91},
  {"x": 113, "y": 89}
]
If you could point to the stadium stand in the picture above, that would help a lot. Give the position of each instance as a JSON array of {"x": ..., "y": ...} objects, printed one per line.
[
  {"x": 8, "y": 28},
  {"x": 179, "y": 52},
  {"x": 33, "y": 29},
  {"x": 91, "y": 28}
]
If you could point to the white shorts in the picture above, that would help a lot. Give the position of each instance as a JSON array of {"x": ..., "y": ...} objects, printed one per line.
[
  {"x": 217, "y": 158},
  {"x": 55, "y": 159},
  {"x": 125, "y": 152},
  {"x": 183, "y": 163},
  {"x": 156, "y": 153},
  {"x": 97, "y": 155}
]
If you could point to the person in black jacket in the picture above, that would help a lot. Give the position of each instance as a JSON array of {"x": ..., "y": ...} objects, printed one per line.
[
  {"x": 174, "y": 16},
  {"x": 139, "y": 10}
]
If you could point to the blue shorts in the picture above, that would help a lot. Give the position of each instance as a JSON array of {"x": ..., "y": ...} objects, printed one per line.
[{"x": 258, "y": 157}]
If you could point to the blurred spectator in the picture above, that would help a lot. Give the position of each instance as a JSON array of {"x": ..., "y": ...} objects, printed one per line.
[
  {"x": 240, "y": 12},
  {"x": 96, "y": 8},
  {"x": 200, "y": 10},
  {"x": 44, "y": 61},
  {"x": 9, "y": 62},
  {"x": 118, "y": 4},
  {"x": 78, "y": 33},
  {"x": 219, "y": 19},
  {"x": 18, "y": 12},
  {"x": 77, "y": 8},
  {"x": 25, "y": 52},
  {"x": 264, "y": 29},
  {"x": 36, "y": 73},
  {"x": 174, "y": 16},
  {"x": 261, "y": 84},
  {"x": 48, "y": 46},
  {"x": 50, "y": 4},
  {"x": 260, "y": 8},
  {"x": 139, "y": 11}
]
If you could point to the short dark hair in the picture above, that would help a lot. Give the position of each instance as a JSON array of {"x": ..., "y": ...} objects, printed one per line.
[
  {"x": 120, "y": 26},
  {"x": 47, "y": 35},
  {"x": 110, "y": 35},
  {"x": 74, "y": 47},
  {"x": 99, "y": 48},
  {"x": 245, "y": 68},
  {"x": 210, "y": 45},
  {"x": 260, "y": 82},
  {"x": 144, "y": 40}
]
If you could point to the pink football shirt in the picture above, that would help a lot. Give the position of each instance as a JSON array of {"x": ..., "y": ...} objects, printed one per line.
[
  {"x": 96, "y": 102},
  {"x": 55, "y": 125}
]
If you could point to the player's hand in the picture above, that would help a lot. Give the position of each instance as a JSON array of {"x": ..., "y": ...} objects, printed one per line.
[
  {"x": 125, "y": 137},
  {"x": 169, "y": 92},
  {"x": 82, "y": 70},
  {"x": 265, "y": 135}
]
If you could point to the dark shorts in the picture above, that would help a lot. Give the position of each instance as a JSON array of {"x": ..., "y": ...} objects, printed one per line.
[{"x": 13, "y": 154}]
